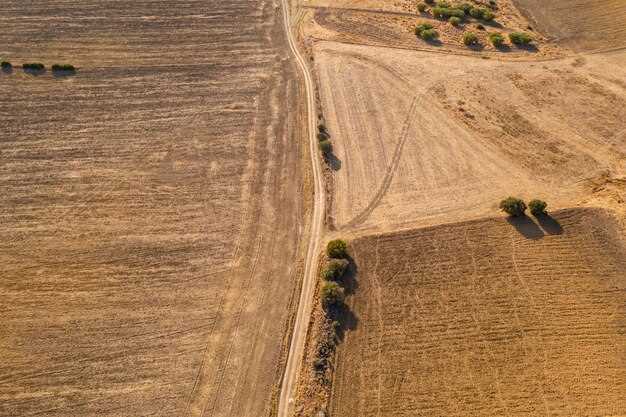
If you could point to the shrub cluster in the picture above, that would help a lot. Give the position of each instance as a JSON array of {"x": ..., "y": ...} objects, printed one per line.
[
  {"x": 454, "y": 21},
  {"x": 6, "y": 65},
  {"x": 481, "y": 13},
  {"x": 34, "y": 66},
  {"x": 63, "y": 67},
  {"x": 426, "y": 32},
  {"x": 332, "y": 297},
  {"x": 335, "y": 269},
  {"x": 470, "y": 39},
  {"x": 496, "y": 39},
  {"x": 520, "y": 38},
  {"x": 332, "y": 292},
  {"x": 516, "y": 207},
  {"x": 447, "y": 12},
  {"x": 323, "y": 136}
]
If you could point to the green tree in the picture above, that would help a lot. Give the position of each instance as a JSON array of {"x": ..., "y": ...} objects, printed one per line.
[
  {"x": 537, "y": 207},
  {"x": 337, "y": 248},
  {"x": 513, "y": 206},
  {"x": 332, "y": 294},
  {"x": 335, "y": 269},
  {"x": 326, "y": 146}
]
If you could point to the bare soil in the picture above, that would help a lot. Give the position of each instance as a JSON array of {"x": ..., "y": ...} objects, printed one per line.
[
  {"x": 150, "y": 208},
  {"x": 488, "y": 318},
  {"x": 579, "y": 24},
  {"x": 390, "y": 25},
  {"x": 421, "y": 138}
]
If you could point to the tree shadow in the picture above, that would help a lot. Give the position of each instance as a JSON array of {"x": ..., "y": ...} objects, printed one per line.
[
  {"x": 476, "y": 47},
  {"x": 434, "y": 42},
  {"x": 7, "y": 70},
  {"x": 528, "y": 47},
  {"x": 63, "y": 73},
  {"x": 503, "y": 48},
  {"x": 333, "y": 162},
  {"x": 348, "y": 281},
  {"x": 493, "y": 24},
  {"x": 549, "y": 224},
  {"x": 526, "y": 227},
  {"x": 35, "y": 72},
  {"x": 347, "y": 320}
]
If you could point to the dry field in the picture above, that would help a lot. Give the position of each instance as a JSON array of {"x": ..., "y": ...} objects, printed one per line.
[
  {"x": 142, "y": 200},
  {"x": 426, "y": 138},
  {"x": 487, "y": 318},
  {"x": 383, "y": 23},
  {"x": 579, "y": 24}
]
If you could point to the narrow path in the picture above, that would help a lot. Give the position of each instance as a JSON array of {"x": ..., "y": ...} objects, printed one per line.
[{"x": 298, "y": 338}]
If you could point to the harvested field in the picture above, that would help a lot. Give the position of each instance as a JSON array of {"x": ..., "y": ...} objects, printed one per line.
[
  {"x": 396, "y": 29},
  {"x": 141, "y": 202},
  {"x": 489, "y": 318},
  {"x": 580, "y": 24},
  {"x": 424, "y": 139}
]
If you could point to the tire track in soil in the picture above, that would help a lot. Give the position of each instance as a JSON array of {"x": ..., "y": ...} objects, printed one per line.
[{"x": 389, "y": 174}]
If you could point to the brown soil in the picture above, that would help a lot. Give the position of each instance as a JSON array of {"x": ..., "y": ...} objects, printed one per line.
[
  {"x": 489, "y": 318},
  {"x": 150, "y": 208},
  {"x": 423, "y": 138},
  {"x": 580, "y": 24},
  {"x": 390, "y": 27}
]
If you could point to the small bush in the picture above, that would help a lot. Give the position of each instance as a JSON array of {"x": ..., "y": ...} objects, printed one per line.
[
  {"x": 422, "y": 27},
  {"x": 337, "y": 249},
  {"x": 537, "y": 207},
  {"x": 63, "y": 67},
  {"x": 520, "y": 38},
  {"x": 443, "y": 3},
  {"x": 466, "y": 7},
  {"x": 429, "y": 34},
  {"x": 326, "y": 146},
  {"x": 476, "y": 13},
  {"x": 493, "y": 3},
  {"x": 488, "y": 15},
  {"x": 513, "y": 206},
  {"x": 35, "y": 66},
  {"x": 454, "y": 21},
  {"x": 335, "y": 269},
  {"x": 332, "y": 294},
  {"x": 422, "y": 7},
  {"x": 323, "y": 135},
  {"x": 6, "y": 65},
  {"x": 496, "y": 39},
  {"x": 470, "y": 39},
  {"x": 447, "y": 12},
  {"x": 481, "y": 13}
]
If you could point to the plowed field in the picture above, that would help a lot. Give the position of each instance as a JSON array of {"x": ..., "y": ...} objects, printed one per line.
[
  {"x": 488, "y": 318},
  {"x": 141, "y": 200},
  {"x": 422, "y": 138},
  {"x": 581, "y": 24}
]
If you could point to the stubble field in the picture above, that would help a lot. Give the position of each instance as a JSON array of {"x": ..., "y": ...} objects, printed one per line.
[
  {"x": 488, "y": 318},
  {"x": 424, "y": 139},
  {"x": 141, "y": 202},
  {"x": 579, "y": 24}
]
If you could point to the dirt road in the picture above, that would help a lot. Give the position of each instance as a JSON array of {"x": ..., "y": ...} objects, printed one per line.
[{"x": 308, "y": 285}]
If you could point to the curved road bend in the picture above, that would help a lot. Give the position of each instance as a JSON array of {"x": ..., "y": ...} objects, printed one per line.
[{"x": 298, "y": 338}]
